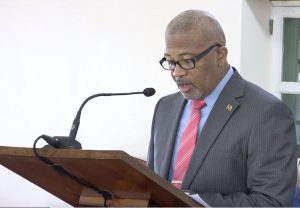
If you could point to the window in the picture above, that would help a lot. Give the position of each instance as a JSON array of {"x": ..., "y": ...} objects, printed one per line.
[{"x": 286, "y": 58}]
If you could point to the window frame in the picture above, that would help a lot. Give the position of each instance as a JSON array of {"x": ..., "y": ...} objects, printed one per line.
[{"x": 281, "y": 10}]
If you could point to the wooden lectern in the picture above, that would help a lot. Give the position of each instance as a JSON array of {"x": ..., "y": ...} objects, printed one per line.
[{"x": 129, "y": 181}]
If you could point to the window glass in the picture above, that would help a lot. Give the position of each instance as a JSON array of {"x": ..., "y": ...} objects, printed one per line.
[{"x": 291, "y": 50}]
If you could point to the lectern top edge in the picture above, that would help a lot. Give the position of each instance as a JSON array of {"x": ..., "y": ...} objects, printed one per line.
[{"x": 65, "y": 153}]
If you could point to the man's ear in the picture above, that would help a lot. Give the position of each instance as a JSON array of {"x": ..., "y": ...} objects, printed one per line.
[{"x": 222, "y": 55}]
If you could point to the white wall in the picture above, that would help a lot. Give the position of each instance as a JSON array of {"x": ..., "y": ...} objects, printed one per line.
[
  {"x": 255, "y": 44},
  {"x": 55, "y": 53}
]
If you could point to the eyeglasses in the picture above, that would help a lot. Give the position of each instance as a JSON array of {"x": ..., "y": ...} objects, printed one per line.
[{"x": 186, "y": 64}]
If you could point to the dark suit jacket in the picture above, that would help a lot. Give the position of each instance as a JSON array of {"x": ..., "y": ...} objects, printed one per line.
[{"x": 244, "y": 156}]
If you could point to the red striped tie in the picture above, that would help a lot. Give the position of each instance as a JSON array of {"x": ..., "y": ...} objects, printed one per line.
[{"x": 187, "y": 143}]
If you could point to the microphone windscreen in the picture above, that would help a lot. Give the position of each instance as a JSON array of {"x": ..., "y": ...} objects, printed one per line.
[{"x": 149, "y": 92}]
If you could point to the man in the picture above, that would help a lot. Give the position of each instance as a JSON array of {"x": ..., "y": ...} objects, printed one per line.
[{"x": 244, "y": 153}]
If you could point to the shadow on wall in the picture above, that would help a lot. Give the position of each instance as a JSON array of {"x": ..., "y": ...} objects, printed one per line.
[{"x": 256, "y": 6}]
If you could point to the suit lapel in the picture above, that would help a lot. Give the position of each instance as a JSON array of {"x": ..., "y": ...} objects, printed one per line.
[
  {"x": 171, "y": 127},
  {"x": 221, "y": 112}
]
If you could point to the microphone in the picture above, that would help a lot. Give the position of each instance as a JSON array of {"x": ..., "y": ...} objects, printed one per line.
[
  {"x": 149, "y": 92},
  {"x": 76, "y": 122},
  {"x": 69, "y": 142}
]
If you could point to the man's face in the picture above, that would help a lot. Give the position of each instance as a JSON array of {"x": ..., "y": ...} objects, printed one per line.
[{"x": 198, "y": 82}]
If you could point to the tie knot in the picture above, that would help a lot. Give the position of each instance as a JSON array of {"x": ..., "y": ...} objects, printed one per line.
[{"x": 198, "y": 104}]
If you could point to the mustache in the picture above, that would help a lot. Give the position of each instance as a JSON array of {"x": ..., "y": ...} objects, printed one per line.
[{"x": 180, "y": 81}]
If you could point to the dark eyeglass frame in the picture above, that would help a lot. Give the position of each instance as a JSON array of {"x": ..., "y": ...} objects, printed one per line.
[{"x": 193, "y": 60}]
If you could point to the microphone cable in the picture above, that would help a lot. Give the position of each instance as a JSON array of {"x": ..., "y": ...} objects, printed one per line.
[{"x": 63, "y": 172}]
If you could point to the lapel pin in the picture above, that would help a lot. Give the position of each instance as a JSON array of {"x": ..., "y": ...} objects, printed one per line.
[{"x": 229, "y": 107}]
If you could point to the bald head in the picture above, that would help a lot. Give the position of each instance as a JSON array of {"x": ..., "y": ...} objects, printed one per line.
[{"x": 200, "y": 22}]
